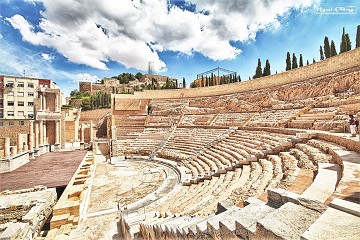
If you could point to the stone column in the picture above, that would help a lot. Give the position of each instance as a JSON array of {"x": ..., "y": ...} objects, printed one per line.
[
  {"x": 82, "y": 137},
  {"x": 57, "y": 102},
  {"x": 13, "y": 150},
  {"x": 91, "y": 131},
  {"x": 36, "y": 135},
  {"x": 44, "y": 101},
  {"x": 41, "y": 102},
  {"x": 45, "y": 139},
  {"x": 19, "y": 142},
  {"x": 57, "y": 132},
  {"x": 41, "y": 133},
  {"x": 31, "y": 135},
  {"x": 7, "y": 147}
]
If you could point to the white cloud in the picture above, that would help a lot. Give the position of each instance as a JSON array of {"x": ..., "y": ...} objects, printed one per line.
[
  {"x": 134, "y": 32},
  {"x": 1, "y": 36},
  {"x": 85, "y": 77},
  {"x": 47, "y": 57}
]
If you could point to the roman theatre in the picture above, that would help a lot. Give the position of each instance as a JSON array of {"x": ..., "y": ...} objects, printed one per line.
[{"x": 270, "y": 158}]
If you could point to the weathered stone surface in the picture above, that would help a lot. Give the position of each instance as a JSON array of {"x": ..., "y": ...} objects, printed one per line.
[
  {"x": 287, "y": 222},
  {"x": 333, "y": 224}
]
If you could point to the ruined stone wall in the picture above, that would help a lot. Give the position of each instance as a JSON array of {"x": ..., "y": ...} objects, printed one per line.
[
  {"x": 51, "y": 129},
  {"x": 94, "y": 115},
  {"x": 12, "y": 132},
  {"x": 85, "y": 86},
  {"x": 334, "y": 64},
  {"x": 2, "y": 147},
  {"x": 50, "y": 102},
  {"x": 70, "y": 131}
]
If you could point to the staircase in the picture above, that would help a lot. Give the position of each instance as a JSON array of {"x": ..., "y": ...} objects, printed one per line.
[{"x": 163, "y": 142}]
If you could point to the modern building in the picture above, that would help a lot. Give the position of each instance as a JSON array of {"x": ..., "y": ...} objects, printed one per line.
[{"x": 31, "y": 102}]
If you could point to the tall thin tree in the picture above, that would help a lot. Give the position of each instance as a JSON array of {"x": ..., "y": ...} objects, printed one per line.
[
  {"x": 327, "y": 47},
  {"x": 348, "y": 42},
  {"x": 343, "y": 46},
  {"x": 333, "y": 49},
  {"x": 288, "y": 61},
  {"x": 258, "y": 72},
  {"x": 321, "y": 53},
  {"x": 301, "y": 64},
  {"x": 294, "y": 61},
  {"x": 357, "y": 37}
]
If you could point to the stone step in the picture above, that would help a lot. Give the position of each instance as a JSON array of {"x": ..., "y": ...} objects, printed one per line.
[
  {"x": 287, "y": 222},
  {"x": 245, "y": 224},
  {"x": 324, "y": 183},
  {"x": 333, "y": 224},
  {"x": 59, "y": 220}
]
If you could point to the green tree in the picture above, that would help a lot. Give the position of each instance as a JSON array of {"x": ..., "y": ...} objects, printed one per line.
[
  {"x": 348, "y": 42},
  {"x": 301, "y": 64},
  {"x": 194, "y": 85},
  {"x": 357, "y": 37},
  {"x": 314, "y": 60},
  {"x": 258, "y": 71},
  {"x": 267, "y": 71},
  {"x": 288, "y": 62},
  {"x": 321, "y": 53},
  {"x": 327, "y": 47},
  {"x": 294, "y": 62},
  {"x": 138, "y": 75},
  {"x": 343, "y": 46},
  {"x": 184, "y": 83},
  {"x": 307, "y": 62},
  {"x": 333, "y": 49}
]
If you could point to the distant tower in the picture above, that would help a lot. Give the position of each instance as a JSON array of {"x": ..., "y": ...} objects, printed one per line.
[{"x": 151, "y": 68}]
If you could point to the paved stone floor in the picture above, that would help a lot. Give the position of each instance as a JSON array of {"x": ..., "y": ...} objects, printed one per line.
[
  {"x": 50, "y": 169},
  {"x": 125, "y": 184}
]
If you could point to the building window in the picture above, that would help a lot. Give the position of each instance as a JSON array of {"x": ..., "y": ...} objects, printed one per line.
[
  {"x": 20, "y": 84},
  {"x": 10, "y": 114},
  {"x": 20, "y": 94},
  {"x": 30, "y": 94},
  {"x": 20, "y": 113},
  {"x": 10, "y": 103},
  {"x": 21, "y": 123},
  {"x": 10, "y": 84},
  {"x": 30, "y": 85},
  {"x": 10, "y": 93},
  {"x": 21, "y": 104},
  {"x": 30, "y": 103},
  {"x": 11, "y": 123}
]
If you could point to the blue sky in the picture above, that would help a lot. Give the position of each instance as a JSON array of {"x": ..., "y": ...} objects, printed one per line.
[{"x": 70, "y": 41}]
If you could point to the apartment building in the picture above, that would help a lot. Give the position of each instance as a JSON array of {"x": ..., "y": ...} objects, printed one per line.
[{"x": 33, "y": 102}]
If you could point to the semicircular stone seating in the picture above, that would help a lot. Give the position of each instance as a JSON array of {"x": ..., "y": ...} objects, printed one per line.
[{"x": 262, "y": 161}]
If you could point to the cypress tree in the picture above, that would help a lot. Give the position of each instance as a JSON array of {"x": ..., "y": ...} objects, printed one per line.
[
  {"x": 258, "y": 72},
  {"x": 314, "y": 60},
  {"x": 357, "y": 37},
  {"x": 267, "y": 70},
  {"x": 327, "y": 47},
  {"x": 239, "y": 78},
  {"x": 333, "y": 49},
  {"x": 307, "y": 62},
  {"x": 348, "y": 42},
  {"x": 301, "y": 64},
  {"x": 288, "y": 62},
  {"x": 294, "y": 61},
  {"x": 343, "y": 46},
  {"x": 184, "y": 83},
  {"x": 321, "y": 53}
]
